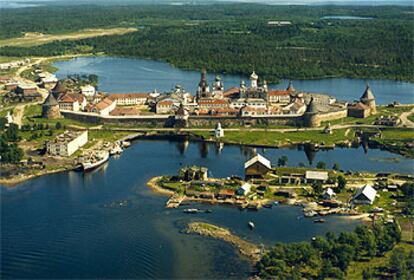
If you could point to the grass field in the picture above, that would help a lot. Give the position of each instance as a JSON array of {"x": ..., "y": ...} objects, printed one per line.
[
  {"x": 278, "y": 138},
  {"x": 35, "y": 39}
]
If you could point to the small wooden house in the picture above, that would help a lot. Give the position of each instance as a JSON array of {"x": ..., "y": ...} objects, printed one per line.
[{"x": 257, "y": 167}]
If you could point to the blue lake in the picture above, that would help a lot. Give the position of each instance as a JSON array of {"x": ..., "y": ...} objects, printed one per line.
[{"x": 120, "y": 75}]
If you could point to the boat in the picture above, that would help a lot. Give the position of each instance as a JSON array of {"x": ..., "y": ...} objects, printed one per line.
[
  {"x": 116, "y": 150},
  {"x": 191, "y": 211},
  {"x": 251, "y": 225},
  {"x": 90, "y": 165},
  {"x": 125, "y": 144},
  {"x": 319, "y": 221},
  {"x": 208, "y": 211}
]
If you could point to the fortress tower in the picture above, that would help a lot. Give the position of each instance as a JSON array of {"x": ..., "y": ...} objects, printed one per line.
[
  {"x": 50, "y": 108},
  {"x": 310, "y": 117},
  {"x": 368, "y": 99}
]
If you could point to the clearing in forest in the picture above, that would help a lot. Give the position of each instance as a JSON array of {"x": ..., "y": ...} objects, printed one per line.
[{"x": 34, "y": 38}]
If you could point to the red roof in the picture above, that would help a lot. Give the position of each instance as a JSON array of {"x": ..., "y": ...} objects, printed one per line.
[
  {"x": 124, "y": 112},
  {"x": 279, "y": 92},
  {"x": 212, "y": 101},
  {"x": 128, "y": 95},
  {"x": 226, "y": 192},
  {"x": 165, "y": 103},
  {"x": 104, "y": 103},
  {"x": 359, "y": 106}
]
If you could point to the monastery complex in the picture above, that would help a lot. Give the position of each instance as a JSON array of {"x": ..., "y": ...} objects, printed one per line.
[{"x": 249, "y": 104}]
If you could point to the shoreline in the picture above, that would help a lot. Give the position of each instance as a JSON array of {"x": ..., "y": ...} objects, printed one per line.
[
  {"x": 321, "y": 212},
  {"x": 246, "y": 248},
  {"x": 14, "y": 181}
]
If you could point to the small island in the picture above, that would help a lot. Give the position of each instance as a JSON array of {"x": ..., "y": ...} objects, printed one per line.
[{"x": 319, "y": 191}]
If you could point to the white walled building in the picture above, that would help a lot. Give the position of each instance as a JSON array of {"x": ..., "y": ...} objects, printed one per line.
[
  {"x": 66, "y": 144},
  {"x": 129, "y": 98}
]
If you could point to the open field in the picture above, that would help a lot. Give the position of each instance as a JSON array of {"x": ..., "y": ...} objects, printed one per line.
[{"x": 35, "y": 38}]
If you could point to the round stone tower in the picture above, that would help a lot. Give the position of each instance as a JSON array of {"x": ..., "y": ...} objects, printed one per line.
[
  {"x": 310, "y": 117},
  {"x": 50, "y": 108},
  {"x": 368, "y": 99}
]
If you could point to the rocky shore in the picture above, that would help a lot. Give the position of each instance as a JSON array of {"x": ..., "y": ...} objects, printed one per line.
[{"x": 247, "y": 249}]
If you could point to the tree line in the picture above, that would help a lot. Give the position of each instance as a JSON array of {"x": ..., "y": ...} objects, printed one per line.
[
  {"x": 237, "y": 38},
  {"x": 330, "y": 256}
]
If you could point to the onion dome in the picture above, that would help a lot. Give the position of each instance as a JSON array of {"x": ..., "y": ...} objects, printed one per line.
[
  {"x": 254, "y": 76},
  {"x": 218, "y": 78}
]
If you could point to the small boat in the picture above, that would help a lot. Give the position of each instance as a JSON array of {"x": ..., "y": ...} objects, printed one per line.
[
  {"x": 116, "y": 150},
  {"x": 191, "y": 211},
  {"x": 276, "y": 203},
  {"x": 208, "y": 211},
  {"x": 319, "y": 221},
  {"x": 251, "y": 225},
  {"x": 90, "y": 165},
  {"x": 126, "y": 144}
]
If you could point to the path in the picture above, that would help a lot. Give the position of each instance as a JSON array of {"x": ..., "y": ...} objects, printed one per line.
[{"x": 404, "y": 119}]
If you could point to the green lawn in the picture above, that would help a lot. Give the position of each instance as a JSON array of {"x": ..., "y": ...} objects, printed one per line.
[
  {"x": 279, "y": 138},
  {"x": 32, "y": 115}
]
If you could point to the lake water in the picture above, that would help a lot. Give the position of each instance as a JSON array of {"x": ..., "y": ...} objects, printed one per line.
[
  {"x": 57, "y": 226},
  {"x": 120, "y": 75}
]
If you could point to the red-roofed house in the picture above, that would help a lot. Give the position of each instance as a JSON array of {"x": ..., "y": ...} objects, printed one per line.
[
  {"x": 209, "y": 103},
  {"x": 279, "y": 96},
  {"x": 72, "y": 101},
  {"x": 251, "y": 111},
  {"x": 164, "y": 106},
  {"x": 104, "y": 107},
  {"x": 359, "y": 110}
]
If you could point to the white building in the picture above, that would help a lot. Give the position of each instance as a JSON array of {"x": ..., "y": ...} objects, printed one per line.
[
  {"x": 88, "y": 91},
  {"x": 365, "y": 195},
  {"x": 219, "y": 131},
  {"x": 313, "y": 176},
  {"x": 67, "y": 143},
  {"x": 9, "y": 119},
  {"x": 129, "y": 98},
  {"x": 244, "y": 189},
  {"x": 329, "y": 193},
  {"x": 251, "y": 102}
]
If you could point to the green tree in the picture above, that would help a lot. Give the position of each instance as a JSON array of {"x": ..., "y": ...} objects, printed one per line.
[
  {"x": 58, "y": 125},
  {"x": 335, "y": 166},
  {"x": 317, "y": 188},
  {"x": 341, "y": 183},
  {"x": 321, "y": 165}
]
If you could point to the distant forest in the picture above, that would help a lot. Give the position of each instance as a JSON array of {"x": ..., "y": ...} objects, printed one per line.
[{"x": 234, "y": 38}]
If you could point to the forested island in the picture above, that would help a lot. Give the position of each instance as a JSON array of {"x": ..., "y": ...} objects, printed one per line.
[{"x": 297, "y": 42}]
